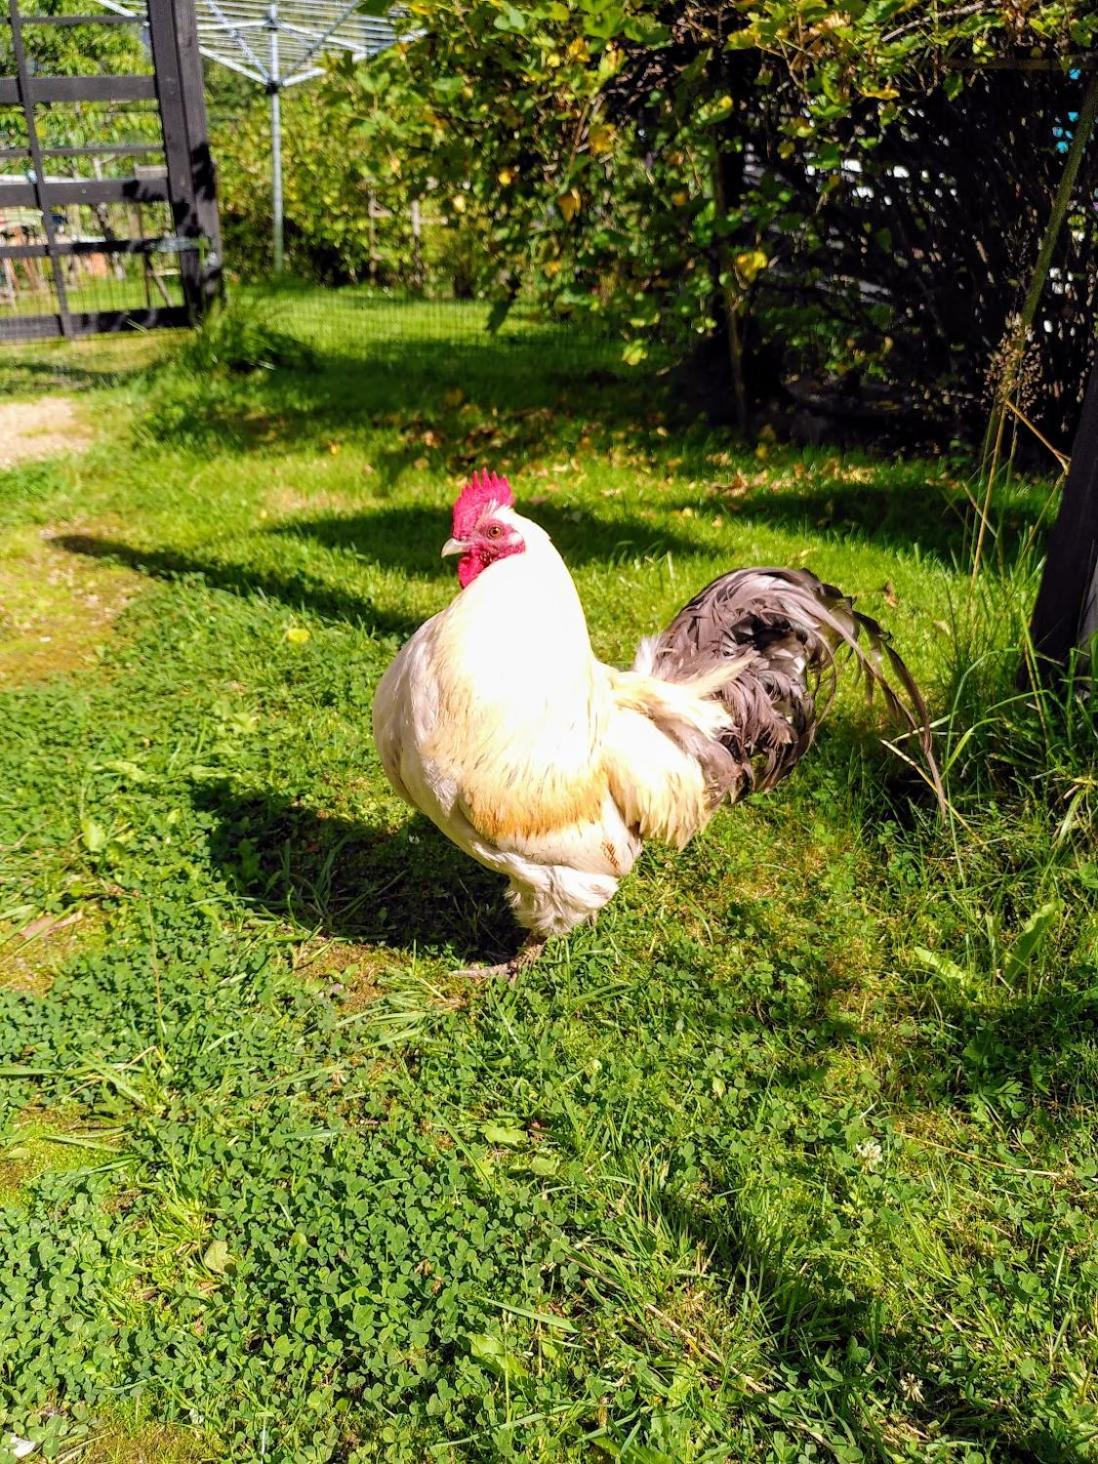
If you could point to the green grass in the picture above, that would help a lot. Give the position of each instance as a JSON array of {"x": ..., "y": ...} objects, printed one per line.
[{"x": 791, "y": 1157}]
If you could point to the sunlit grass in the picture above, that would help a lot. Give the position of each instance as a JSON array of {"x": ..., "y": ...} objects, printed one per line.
[{"x": 791, "y": 1156}]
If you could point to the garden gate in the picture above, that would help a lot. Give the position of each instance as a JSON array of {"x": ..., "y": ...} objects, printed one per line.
[{"x": 108, "y": 243}]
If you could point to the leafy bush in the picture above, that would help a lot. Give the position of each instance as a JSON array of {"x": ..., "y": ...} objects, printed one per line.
[
  {"x": 855, "y": 216},
  {"x": 240, "y": 337},
  {"x": 350, "y": 214}
]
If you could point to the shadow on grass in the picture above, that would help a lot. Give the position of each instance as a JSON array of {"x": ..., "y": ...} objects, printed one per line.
[
  {"x": 409, "y": 889},
  {"x": 891, "y": 513},
  {"x": 407, "y": 538},
  {"x": 463, "y": 403},
  {"x": 511, "y": 417},
  {"x": 410, "y": 538},
  {"x": 824, "y": 1333},
  {"x": 1036, "y": 1047},
  {"x": 40, "y": 372},
  {"x": 297, "y": 591}
]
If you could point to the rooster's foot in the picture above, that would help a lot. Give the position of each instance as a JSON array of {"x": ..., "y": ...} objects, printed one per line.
[{"x": 529, "y": 953}]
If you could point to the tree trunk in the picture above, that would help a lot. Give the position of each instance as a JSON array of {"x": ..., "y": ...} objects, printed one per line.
[{"x": 1066, "y": 612}]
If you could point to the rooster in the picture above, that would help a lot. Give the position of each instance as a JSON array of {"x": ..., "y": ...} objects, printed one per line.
[{"x": 497, "y": 721}]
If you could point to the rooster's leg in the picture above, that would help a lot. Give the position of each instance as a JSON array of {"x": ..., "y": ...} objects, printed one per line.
[{"x": 531, "y": 949}]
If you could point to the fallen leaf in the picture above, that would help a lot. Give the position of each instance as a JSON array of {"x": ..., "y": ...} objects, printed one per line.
[
  {"x": 217, "y": 1258},
  {"x": 47, "y": 924}
]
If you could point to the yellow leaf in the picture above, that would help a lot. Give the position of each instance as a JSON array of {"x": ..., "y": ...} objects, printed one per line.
[
  {"x": 458, "y": 203},
  {"x": 217, "y": 1257},
  {"x": 601, "y": 138},
  {"x": 297, "y": 635},
  {"x": 569, "y": 204},
  {"x": 505, "y": 176},
  {"x": 749, "y": 263}
]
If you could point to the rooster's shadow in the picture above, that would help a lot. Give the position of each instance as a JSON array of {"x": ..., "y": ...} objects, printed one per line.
[{"x": 404, "y": 888}]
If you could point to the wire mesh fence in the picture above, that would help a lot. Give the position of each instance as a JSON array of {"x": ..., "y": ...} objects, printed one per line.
[
  {"x": 393, "y": 327},
  {"x": 352, "y": 328}
]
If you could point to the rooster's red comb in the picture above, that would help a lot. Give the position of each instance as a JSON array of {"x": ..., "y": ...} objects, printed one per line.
[{"x": 483, "y": 488}]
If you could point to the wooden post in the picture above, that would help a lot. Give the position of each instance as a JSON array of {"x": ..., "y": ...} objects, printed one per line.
[
  {"x": 203, "y": 172},
  {"x": 173, "y": 40},
  {"x": 1066, "y": 612}
]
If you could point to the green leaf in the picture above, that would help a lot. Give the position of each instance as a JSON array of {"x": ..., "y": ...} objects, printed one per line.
[
  {"x": 94, "y": 835},
  {"x": 742, "y": 40},
  {"x": 1033, "y": 937},
  {"x": 602, "y": 20},
  {"x": 547, "y": 1319},
  {"x": 494, "y": 1355},
  {"x": 126, "y": 769},
  {"x": 511, "y": 19},
  {"x": 940, "y": 965},
  {"x": 506, "y": 1138},
  {"x": 714, "y": 111}
]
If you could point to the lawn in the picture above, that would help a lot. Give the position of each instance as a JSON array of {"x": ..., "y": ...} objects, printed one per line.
[{"x": 791, "y": 1157}]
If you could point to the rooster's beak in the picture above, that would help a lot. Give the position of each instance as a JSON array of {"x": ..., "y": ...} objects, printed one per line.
[{"x": 453, "y": 546}]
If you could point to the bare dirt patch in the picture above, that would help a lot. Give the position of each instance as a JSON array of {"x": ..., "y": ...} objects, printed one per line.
[
  {"x": 344, "y": 967},
  {"x": 285, "y": 501},
  {"x": 152, "y": 1443},
  {"x": 40, "y": 429},
  {"x": 30, "y": 957},
  {"x": 56, "y": 608}
]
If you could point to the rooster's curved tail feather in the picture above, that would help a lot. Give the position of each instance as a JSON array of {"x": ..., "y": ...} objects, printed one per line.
[{"x": 778, "y": 631}]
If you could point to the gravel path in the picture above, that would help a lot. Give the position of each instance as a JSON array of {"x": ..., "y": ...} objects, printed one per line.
[{"x": 40, "y": 429}]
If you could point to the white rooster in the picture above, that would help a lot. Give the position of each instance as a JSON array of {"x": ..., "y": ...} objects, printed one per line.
[{"x": 497, "y": 721}]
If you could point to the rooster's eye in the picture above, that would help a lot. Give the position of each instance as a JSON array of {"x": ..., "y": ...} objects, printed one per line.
[{"x": 493, "y": 531}]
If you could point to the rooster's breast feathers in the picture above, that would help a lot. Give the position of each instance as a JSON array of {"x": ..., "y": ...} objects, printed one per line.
[{"x": 496, "y": 716}]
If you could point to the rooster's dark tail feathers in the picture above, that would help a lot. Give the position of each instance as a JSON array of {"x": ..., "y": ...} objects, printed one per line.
[{"x": 781, "y": 629}]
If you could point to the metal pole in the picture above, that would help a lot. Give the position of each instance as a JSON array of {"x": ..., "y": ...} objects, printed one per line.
[{"x": 274, "y": 86}]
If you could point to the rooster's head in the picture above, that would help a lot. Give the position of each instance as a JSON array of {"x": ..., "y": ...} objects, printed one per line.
[{"x": 484, "y": 528}]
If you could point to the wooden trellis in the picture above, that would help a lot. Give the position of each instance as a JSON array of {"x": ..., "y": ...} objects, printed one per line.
[{"x": 183, "y": 179}]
